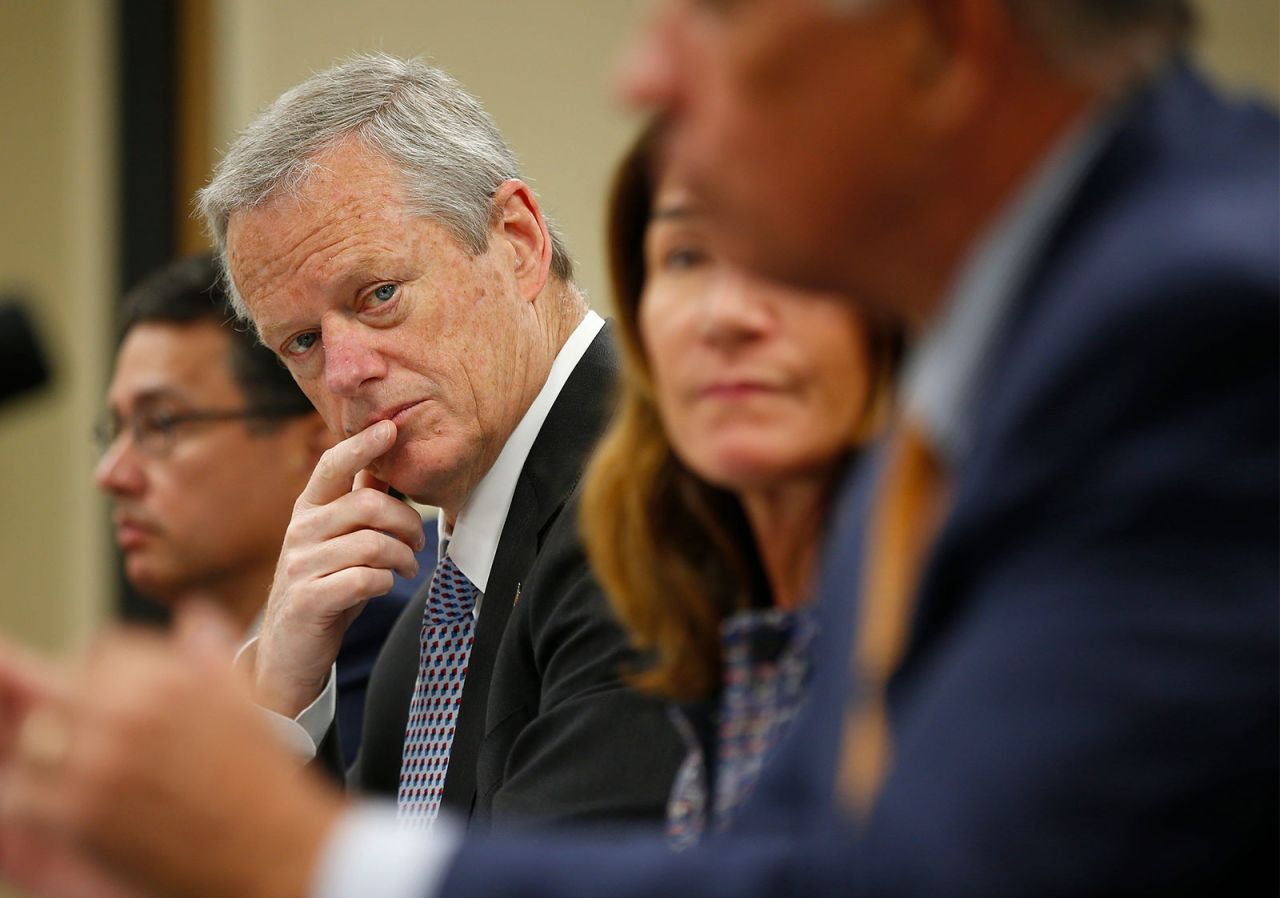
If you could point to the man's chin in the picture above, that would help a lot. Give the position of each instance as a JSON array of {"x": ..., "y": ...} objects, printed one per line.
[
  {"x": 399, "y": 472},
  {"x": 417, "y": 471},
  {"x": 152, "y": 586}
]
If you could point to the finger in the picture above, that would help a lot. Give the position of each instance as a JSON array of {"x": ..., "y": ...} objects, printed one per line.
[
  {"x": 353, "y": 587},
  {"x": 25, "y": 680},
  {"x": 336, "y": 471},
  {"x": 362, "y": 509},
  {"x": 25, "y": 674},
  {"x": 365, "y": 548},
  {"x": 34, "y": 779}
]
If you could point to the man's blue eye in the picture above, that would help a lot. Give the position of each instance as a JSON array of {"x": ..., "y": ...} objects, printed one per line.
[
  {"x": 301, "y": 343},
  {"x": 384, "y": 293}
]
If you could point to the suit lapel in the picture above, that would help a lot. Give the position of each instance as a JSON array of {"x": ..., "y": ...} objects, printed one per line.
[{"x": 550, "y": 473}]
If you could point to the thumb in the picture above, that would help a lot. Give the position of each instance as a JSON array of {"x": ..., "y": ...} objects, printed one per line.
[{"x": 206, "y": 634}]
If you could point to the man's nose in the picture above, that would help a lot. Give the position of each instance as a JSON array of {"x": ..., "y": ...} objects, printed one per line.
[
  {"x": 646, "y": 77},
  {"x": 350, "y": 357},
  {"x": 120, "y": 471}
]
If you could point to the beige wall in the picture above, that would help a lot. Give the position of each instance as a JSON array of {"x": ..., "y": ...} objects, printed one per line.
[
  {"x": 55, "y": 249},
  {"x": 1240, "y": 42}
]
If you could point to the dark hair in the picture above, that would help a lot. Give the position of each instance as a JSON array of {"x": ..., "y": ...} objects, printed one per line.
[{"x": 190, "y": 290}]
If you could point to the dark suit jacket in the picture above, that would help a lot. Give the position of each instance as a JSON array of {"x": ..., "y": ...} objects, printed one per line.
[
  {"x": 1089, "y": 701},
  {"x": 547, "y": 729}
]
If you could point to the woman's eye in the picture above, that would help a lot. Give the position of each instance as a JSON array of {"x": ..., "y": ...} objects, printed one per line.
[
  {"x": 301, "y": 343},
  {"x": 383, "y": 293},
  {"x": 683, "y": 258}
]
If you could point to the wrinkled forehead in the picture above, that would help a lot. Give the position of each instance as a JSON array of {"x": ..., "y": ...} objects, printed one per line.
[
  {"x": 351, "y": 198},
  {"x": 286, "y": 254}
]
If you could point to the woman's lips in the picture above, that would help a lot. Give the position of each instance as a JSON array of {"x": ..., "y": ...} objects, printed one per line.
[{"x": 735, "y": 390}]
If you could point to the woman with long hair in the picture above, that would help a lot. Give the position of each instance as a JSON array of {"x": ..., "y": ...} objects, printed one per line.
[{"x": 742, "y": 405}]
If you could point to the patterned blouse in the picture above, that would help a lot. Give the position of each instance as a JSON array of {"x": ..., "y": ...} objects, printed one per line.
[{"x": 766, "y": 668}]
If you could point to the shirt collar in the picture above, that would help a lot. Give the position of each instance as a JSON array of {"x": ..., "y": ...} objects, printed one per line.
[
  {"x": 474, "y": 540},
  {"x": 942, "y": 379}
]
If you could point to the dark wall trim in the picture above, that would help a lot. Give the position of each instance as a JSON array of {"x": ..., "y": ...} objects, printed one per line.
[{"x": 147, "y": 49}]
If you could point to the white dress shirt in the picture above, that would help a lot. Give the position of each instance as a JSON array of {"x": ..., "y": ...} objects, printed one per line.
[{"x": 473, "y": 541}]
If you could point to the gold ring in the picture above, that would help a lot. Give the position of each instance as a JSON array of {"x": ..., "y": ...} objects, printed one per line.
[{"x": 44, "y": 739}]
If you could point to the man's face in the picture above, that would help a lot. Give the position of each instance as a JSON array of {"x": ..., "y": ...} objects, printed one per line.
[
  {"x": 796, "y": 123},
  {"x": 383, "y": 314},
  {"x": 213, "y": 501}
]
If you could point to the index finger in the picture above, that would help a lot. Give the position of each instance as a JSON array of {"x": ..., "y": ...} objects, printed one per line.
[
  {"x": 335, "y": 474},
  {"x": 25, "y": 681}
]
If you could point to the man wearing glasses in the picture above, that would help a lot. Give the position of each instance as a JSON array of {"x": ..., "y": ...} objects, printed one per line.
[{"x": 206, "y": 443}]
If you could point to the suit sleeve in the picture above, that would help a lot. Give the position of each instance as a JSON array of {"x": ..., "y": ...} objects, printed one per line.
[
  {"x": 1095, "y": 704},
  {"x": 1091, "y": 703},
  {"x": 583, "y": 744}
]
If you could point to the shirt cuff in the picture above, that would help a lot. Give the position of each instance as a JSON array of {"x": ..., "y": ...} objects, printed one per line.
[
  {"x": 369, "y": 853},
  {"x": 303, "y": 734}
]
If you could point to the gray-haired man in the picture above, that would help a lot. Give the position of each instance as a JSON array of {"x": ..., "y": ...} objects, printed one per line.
[{"x": 378, "y": 236}]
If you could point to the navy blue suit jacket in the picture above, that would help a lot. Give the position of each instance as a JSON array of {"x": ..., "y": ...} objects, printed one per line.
[{"x": 1089, "y": 701}]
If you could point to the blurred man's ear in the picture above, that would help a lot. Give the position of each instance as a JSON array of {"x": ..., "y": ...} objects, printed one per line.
[{"x": 967, "y": 44}]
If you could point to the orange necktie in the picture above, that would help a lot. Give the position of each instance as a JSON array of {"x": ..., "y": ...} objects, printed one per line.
[{"x": 905, "y": 516}]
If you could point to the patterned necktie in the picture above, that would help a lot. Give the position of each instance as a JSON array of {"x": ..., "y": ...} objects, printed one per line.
[
  {"x": 447, "y": 631},
  {"x": 905, "y": 517}
]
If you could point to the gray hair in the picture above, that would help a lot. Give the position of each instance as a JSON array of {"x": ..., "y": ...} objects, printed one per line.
[
  {"x": 1109, "y": 43},
  {"x": 446, "y": 148}
]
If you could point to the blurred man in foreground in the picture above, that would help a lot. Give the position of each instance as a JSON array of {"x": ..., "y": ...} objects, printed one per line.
[{"x": 1050, "y": 628}]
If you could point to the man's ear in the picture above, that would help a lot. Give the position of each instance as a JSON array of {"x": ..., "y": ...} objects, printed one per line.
[
  {"x": 519, "y": 223},
  {"x": 963, "y": 46}
]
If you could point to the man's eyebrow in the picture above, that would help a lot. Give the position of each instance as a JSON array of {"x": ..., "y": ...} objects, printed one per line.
[{"x": 157, "y": 395}]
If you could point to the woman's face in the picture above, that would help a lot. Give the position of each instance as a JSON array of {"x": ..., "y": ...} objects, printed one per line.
[{"x": 756, "y": 383}]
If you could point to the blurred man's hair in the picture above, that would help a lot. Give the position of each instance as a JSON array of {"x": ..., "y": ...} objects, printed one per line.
[
  {"x": 445, "y": 147},
  {"x": 1108, "y": 43},
  {"x": 1120, "y": 38},
  {"x": 190, "y": 291}
]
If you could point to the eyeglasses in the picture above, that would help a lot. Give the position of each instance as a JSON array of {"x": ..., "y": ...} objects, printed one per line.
[{"x": 154, "y": 430}]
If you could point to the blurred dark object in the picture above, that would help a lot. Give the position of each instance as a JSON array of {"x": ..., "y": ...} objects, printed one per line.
[{"x": 23, "y": 366}]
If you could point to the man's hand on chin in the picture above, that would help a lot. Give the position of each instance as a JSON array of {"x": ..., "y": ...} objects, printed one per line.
[
  {"x": 345, "y": 539},
  {"x": 155, "y": 765}
]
